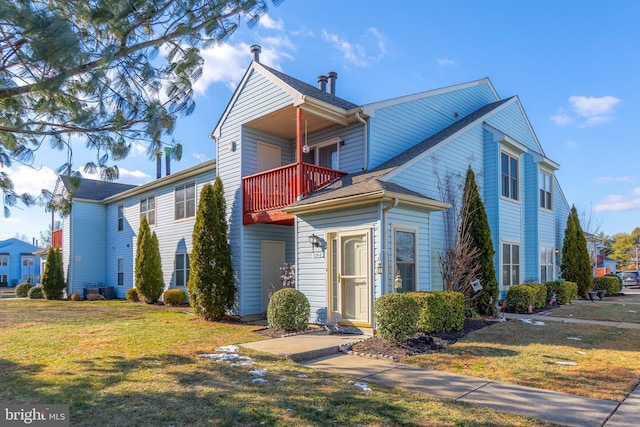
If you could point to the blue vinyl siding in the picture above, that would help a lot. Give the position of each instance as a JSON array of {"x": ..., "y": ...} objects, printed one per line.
[
  {"x": 352, "y": 148},
  {"x": 492, "y": 193},
  {"x": 14, "y": 250},
  {"x": 530, "y": 247},
  {"x": 512, "y": 121}
]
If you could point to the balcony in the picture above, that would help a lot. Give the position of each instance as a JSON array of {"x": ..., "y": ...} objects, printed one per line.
[
  {"x": 56, "y": 239},
  {"x": 266, "y": 193}
]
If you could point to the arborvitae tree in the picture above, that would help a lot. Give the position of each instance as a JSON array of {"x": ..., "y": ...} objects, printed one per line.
[
  {"x": 149, "y": 280},
  {"x": 212, "y": 290},
  {"x": 475, "y": 223},
  {"x": 575, "y": 265},
  {"x": 53, "y": 278}
]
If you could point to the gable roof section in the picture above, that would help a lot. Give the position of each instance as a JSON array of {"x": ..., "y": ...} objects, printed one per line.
[
  {"x": 25, "y": 246},
  {"x": 375, "y": 183},
  {"x": 91, "y": 189}
]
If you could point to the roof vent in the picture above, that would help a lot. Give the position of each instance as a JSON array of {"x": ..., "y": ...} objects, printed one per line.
[
  {"x": 255, "y": 50},
  {"x": 322, "y": 83},
  {"x": 332, "y": 76}
]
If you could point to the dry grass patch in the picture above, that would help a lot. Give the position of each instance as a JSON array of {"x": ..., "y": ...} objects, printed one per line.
[
  {"x": 118, "y": 363},
  {"x": 599, "y": 310},
  {"x": 607, "y": 360}
]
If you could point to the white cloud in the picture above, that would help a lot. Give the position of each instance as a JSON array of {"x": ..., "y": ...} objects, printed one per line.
[
  {"x": 267, "y": 22},
  {"x": 561, "y": 117},
  {"x": 352, "y": 53},
  {"x": 382, "y": 40},
  {"x": 137, "y": 150},
  {"x": 303, "y": 32},
  {"x": 612, "y": 179},
  {"x": 588, "y": 106},
  {"x": 618, "y": 202},
  {"x": 199, "y": 156},
  {"x": 446, "y": 61},
  {"x": 29, "y": 180}
]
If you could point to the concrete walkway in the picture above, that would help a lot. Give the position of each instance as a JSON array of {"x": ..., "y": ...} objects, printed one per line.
[{"x": 321, "y": 351}]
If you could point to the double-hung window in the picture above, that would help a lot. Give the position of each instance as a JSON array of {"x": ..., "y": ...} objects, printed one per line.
[
  {"x": 545, "y": 190},
  {"x": 185, "y": 199},
  {"x": 182, "y": 270},
  {"x": 148, "y": 209},
  {"x": 509, "y": 175},
  {"x": 4, "y": 260},
  {"x": 546, "y": 263},
  {"x": 120, "y": 272},
  {"x": 121, "y": 217},
  {"x": 405, "y": 258},
  {"x": 510, "y": 264}
]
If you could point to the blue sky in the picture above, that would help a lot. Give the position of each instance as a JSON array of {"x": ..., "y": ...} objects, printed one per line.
[{"x": 573, "y": 64}]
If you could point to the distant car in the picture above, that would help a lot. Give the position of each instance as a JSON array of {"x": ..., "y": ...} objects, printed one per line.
[{"x": 630, "y": 278}]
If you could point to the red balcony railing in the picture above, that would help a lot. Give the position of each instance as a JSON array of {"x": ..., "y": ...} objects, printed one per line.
[
  {"x": 56, "y": 239},
  {"x": 276, "y": 188}
]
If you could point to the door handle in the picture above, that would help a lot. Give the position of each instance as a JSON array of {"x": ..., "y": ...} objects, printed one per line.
[{"x": 339, "y": 278}]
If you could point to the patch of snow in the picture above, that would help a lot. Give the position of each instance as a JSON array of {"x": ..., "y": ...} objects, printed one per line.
[
  {"x": 538, "y": 323},
  {"x": 228, "y": 349},
  {"x": 363, "y": 386},
  {"x": 259, "y": 380},
  {"x": 526, "y": 321},
  {"x": 258, "y": 372},
  {"x": 580, "y": 352},
  {"x": 632, "y": 311},
  {"x": 302, "y": 376},
  {"x": 574, "y": 338},
  {"x": 566, "y": 363}
]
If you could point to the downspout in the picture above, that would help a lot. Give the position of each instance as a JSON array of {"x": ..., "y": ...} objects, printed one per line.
[
  {"x": 391, "y": 205},
  {"x": 365, "y": 138},
  {"x": 299, "y": 180}
]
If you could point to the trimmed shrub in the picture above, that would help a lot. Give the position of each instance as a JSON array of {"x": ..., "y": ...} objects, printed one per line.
[
  {"x": 132, "y": 295},
  {"x": 441, "y": 311},
  {"x": 519, "y": 298},
  {"x": 288, "y": 310},
  {"x": 615, "y": 276},
  {"x": 571, "y": 290},
  {"x": 564, "y": 293},
  {"x": 540, "y": 299},
  {"x": 75, "y": 297},
  {"x": 22, "y": 289},
  {"x": 174, "y": 297},
  {"x": 148, "y": 272},
  {"x": 95, "y": 297},
  {"x": 53, "y": 278},
  {"x": 35, "y": 292},
  {"x": 607, "y": 283},
  {"x": 396, "y": 316}
]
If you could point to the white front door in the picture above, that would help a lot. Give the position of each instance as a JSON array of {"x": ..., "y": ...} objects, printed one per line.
[
  {"x": 272, "y": 260},
  {"x": 350, "y": 288}
]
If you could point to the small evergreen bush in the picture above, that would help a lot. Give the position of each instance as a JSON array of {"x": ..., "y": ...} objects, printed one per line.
[
  {"x": 615, "y": 276},
  {"x": 540, "y": 298},
  {"x": 396, "y": 316},
  {"x": 607, "y": 283},
  {"x": 441, "y": 311},
  {"x": 288, "y": 310},
  {"x": 174, "y": 297},
  {"x": 564, "y": 294},
  {"x": 148, "y": 272},
  {"x": 75, "y": 297},
  {"x": 132, "y": 295},
  {"x": 519, "y": 298},
  {"x": 53, "y": 278},
  {"x": 571, "y": 290},
  {"x": 35, "y": 292},
  {"x": 22, "y": 289}
]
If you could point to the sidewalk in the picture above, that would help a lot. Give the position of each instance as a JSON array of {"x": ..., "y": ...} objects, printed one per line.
[{"x": 321, "y": 351}]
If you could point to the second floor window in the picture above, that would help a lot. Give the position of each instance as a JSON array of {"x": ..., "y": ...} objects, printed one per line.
[
  {"x": 4, "y": 261},
  {"x": 185, "y": 197},
  {"x": 121, "y": 217},
  {"x": 148, "y": 209},
  {"x": 545, "y": 190},
  {"x": 509, "y": 175},
  {"x": 27, "y": 262}
]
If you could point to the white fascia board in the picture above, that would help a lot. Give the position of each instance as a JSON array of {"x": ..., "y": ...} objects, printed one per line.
[{"x": 502, "y": 138}]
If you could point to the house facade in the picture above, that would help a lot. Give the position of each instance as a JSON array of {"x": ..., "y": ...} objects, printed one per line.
[
  {"x": 18, "y": 263},
  {"x": 355, "y": 196}
]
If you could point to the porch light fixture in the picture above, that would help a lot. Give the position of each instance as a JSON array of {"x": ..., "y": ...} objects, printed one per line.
[
  {"x": 557, "y": 251},
  {"x": 397, "y": 282},
  {"x": 378, "y": 266},
  {"x": 314, "y": 240},
  {"x": 305, "y": 147}
]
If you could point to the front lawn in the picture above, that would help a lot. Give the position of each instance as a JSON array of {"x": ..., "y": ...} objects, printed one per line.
[{"x": 119, "y": 363}]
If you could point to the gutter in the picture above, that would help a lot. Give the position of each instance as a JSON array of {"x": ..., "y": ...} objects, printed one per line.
[{"x": 383, "y": 229}]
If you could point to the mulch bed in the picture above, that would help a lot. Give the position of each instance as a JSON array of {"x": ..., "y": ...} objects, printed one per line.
[{"x": 420, "y": 344}]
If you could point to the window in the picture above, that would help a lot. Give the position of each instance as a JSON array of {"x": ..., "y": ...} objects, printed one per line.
[
  {"x": 148, "y": 209},
  {"x": 4, "y": 279},
  {"x": 185, "y": 197},
  {"x": 121, "y": 217},
  {"x": 4, "y": 260},
  {"x": 120, "y": 271},
  {"x": 546, "y": 263},
  {"x": 405, "y": 258},
  {"x": 545, "y": 190},
  {"x": 182, "y": 269},
  {"x": 509, "y": 173},
  {"x": 510, "y": 264},
  {"x": 324, "y": 154},
  {"x": 27, "y": 262}
]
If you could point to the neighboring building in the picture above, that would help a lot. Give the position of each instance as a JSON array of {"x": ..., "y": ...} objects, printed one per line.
[
  {"x": 350, "y": 194},
  {"x": 18, "y": 263}
]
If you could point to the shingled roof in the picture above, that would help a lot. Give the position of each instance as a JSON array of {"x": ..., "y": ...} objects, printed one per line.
[
  {"x": 91, "y": 189},
  {"x": 369, "y": 182}
]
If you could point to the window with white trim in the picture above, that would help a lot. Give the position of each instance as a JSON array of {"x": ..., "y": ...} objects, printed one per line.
[
  {"x": 121, "y": 217},
  {"x": 545, "y": 190},
  {"x": 546, "y": 263},
  {"x": 148, "y": 209},
  {"x": 4, "y": 260},
  {"x": 4, "y": 279},
  {"x": 185, "y": 200},
  {"x": 509, "y": 175},
  {"x": 120, "y": 267},
  {"x": 404, "y": 249},
  {"x": 510, "y": 264},
  {"x": 27, "y": 261},
  {"x": 182, "y": 269}
]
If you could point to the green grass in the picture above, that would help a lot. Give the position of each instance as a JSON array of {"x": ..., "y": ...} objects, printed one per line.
[
  {"x": 599, "y": 310},
  {"x": 119, "y": 363}
]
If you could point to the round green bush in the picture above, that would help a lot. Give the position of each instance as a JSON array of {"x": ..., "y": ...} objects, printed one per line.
[
  {"x": 440, "y": 311},
  {"x": 35, "y": 292},
  {"x": 288, "y": 310},
  {"x": 396, "y": 316},
  {"x": 22, "y": 289},
  {"x": 174, "y": 297},
  {"x": 612, "y": 285},
  {"x": 132, "y": 295},
  {"x": 519, "y": 298}
]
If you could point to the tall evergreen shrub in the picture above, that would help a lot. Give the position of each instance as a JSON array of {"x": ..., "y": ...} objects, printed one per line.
[
  {"x": 149, "y": 281},
  {"x": 575, "y": 265},
  {"x": 53, "y": 278},
  {"x": 212, "y": 290}
]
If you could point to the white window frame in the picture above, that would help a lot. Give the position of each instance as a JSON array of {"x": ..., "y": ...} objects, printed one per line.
[
  {"x": 120, "y": 272},
  {"x": 183, "y": 189},
  {"x": 120, "y": 217},
  {"x": 4, "y": 263},
  {"x": 414, "y": 231},
  {"x": 545, "y": 195},
  {"x": 146, "y": 213},
  {"x": 511, "y": 264},
  {"x": 5, "y": 277},
  {"x": 511, "y": 187},
  {"x": 547, "y": 253},
  {"x": 337, "y": 141},
  {"x": 185, "y": 272},
  {"x": 28, "y": 261}
]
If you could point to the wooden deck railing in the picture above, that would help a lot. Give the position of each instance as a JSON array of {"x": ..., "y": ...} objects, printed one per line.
[
  {"x": 276, "y": 188},
  {"x": 56, "y": 239}
]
